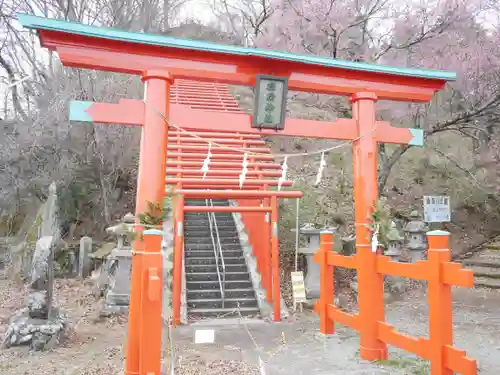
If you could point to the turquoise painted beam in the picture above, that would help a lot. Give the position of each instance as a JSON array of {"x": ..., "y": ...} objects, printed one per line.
[
  {"x": 418, "y": 137},
  {"x": 78, "y": 111}
]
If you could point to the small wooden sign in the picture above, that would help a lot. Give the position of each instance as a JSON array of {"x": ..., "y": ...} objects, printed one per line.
[{"x": 298, "y": 289}]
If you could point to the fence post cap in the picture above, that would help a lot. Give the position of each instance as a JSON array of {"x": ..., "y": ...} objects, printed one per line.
[
  {"x": 153, "y": 232},
  {"x": 438, "y": 233}
]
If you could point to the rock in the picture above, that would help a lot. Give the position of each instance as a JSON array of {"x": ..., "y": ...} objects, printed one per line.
[
  {"x": 39, "y": 334},
  {"x": 39, "y": 340}
]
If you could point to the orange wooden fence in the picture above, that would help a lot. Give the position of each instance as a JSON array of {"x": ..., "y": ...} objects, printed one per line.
[
  {"x": 260, "y": 236},
  {"x": 440, "y": 274}
]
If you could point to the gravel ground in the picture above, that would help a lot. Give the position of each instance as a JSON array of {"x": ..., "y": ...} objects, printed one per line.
[{"x": 96, "y": 346}]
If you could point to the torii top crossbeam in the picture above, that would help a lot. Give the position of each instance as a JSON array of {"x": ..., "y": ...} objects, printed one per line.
[{"x": 133, "y": 53}]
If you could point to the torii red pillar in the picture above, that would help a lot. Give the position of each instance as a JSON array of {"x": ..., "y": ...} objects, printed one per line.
[
  {"x": 150, "y": 188},
  {"x": 371, "y": 286}
]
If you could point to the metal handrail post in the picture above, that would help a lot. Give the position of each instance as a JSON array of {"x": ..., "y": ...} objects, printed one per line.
[
  {"x": 221, "y": 256},
  {"x": 210, "y": 218}
]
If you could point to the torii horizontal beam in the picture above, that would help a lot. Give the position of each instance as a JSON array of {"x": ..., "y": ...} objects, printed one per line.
[
  {"x": 207, "y": 134},
  {"x": 225, "y": 157},
  {"x": 225, "y": 181},
  {"x": 131, "y": 112},
  {"x": 238, "y": 194},
  {"x": 221, "y": 164},
  {"x": 221, "y": 150},
  {"x": 221, "y": 172},
  {"x": 97, "y": 48},
  {"x": 191, "y": 141}
]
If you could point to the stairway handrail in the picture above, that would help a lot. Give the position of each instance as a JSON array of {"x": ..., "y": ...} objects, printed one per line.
[
  {"x": 212, "y": 222},
  {"x": 221, "y": 256}
]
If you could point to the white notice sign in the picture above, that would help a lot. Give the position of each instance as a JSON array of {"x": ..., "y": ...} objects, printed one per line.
[
  {"x": 437, "y": 209},
  {"x": 204, "y": 336}
]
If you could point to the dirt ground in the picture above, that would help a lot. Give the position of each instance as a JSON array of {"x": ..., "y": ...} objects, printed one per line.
[{"x": 95, "y": 346}]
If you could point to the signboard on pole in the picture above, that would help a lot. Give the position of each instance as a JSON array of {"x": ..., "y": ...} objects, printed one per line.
[
  {"x": 437, "y": 209},
  {"x": 298, "y": 289}
]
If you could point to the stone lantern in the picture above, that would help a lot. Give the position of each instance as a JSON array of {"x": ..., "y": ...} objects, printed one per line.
[
  {"x": 415, "y": 237},
  {"x": 395, "y": 241},
  {"x": 117, "y": 271},
  {"x": 312, "y": 243}
]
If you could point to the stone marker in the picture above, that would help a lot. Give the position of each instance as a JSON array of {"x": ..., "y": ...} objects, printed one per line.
[{"x": 84, "y": 259}]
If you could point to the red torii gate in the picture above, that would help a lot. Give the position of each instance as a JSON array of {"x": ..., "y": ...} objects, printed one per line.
[{"x": 162, "y": 60}]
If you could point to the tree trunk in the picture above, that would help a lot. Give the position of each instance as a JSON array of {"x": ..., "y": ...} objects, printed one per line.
[{"x": 387, "y": 164}]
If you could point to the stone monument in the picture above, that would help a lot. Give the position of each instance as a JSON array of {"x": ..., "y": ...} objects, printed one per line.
[{"x": 39, "y": 324}]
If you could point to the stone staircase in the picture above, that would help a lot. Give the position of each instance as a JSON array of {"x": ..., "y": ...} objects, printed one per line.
[
  {"x": 486, "y": 266},
  {"x": 204, "y": 298}
]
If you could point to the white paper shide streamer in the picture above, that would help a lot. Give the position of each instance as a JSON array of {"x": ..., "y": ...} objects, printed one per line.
[
  {"x": 375, "y": 239},
  {"x": 244, "y": 170},
  {"x": 284, "y": 169},
  {"x": 322, "y": 166},
  {"x": 206, "y": 162}
]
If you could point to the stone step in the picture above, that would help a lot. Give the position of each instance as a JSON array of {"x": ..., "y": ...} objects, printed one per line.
[
  {"x": 205, "y": 226},
  {"x": 486, "y": 272},
  {"x": 215, "y": 294},
  {"x": 191, "y": 261},
  {"x": 214, "y": 276},
  {"x": 210, "y": 253},
  {"x": 203, "y": 223},
  {"x": 211, "y": 268},
  {"x": 223, "y": 231},
  {"x": 229, "y": 284},
  {"x": 482, "y": 262},
  {"x": 217, "y": 303},
  {"x": 233, "y": 234},
  {"x": 484, "y": 282},
  {"x": 209, "y": 246},
  {"x": 204, "y": 219},
  {"x": 204, "y": 215},
  {"x": 205, "y": 240},
  {"x": 226, "y": 312},
  {"x": 493, "y": 246},
  {"x": 202, "y": 202}
]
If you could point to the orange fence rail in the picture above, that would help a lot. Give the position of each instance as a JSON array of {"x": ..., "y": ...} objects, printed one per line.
[
  {"x": 258, "y": 228},
  {"x": 438, "y": 271}
]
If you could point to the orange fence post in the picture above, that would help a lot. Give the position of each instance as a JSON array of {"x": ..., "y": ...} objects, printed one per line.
[
  {"x": 177, "y": 262},
  {"x": 326, "y": 282},
  {"x": 150, "y": 188},
  {"x": 275, "y": 258},
  {"x": 151, "y": 304},
  {"x": 266, "y": 254},
  {"x": 440, "y": 302},
  {"x": 370, "y": 283}
]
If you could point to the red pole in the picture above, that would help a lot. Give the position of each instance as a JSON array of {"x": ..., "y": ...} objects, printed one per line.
[
  {"x": 275, "y": 258},
  {"x": 370, "y": 283},
  {"x": 266, "y": 252},
  {"x": 178, "y": 255},
  {"x": 151, "y": 304},
  {"x": 440, "y": 302},
  {"x": 150, "y": 188},
  {"x": 326, "y": 280}
]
